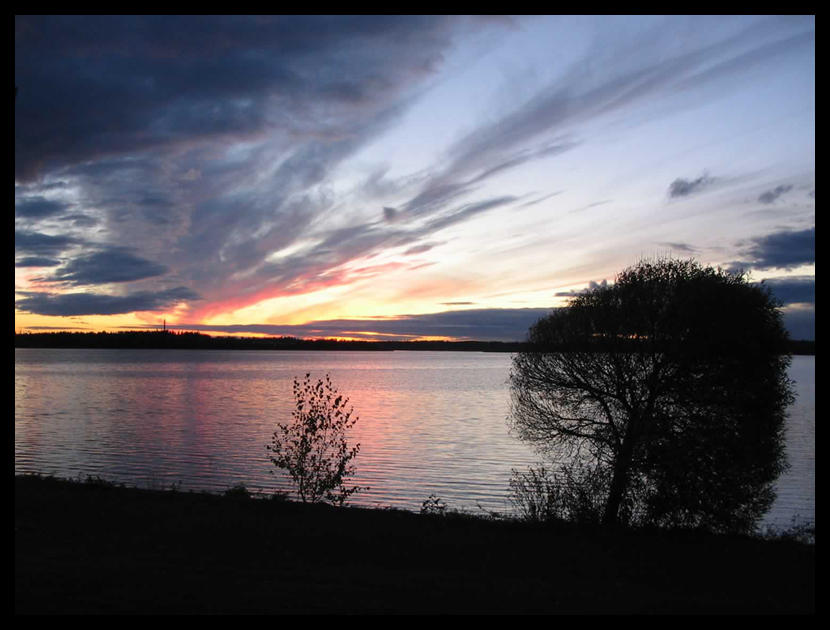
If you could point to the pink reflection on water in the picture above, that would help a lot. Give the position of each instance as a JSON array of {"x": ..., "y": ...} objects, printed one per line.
[{"x": 429, "y": 422}]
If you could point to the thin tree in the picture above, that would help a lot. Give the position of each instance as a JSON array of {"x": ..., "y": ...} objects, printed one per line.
[
  {"x": 313, "y": 447},
  {"x": 672, "y": 383}
]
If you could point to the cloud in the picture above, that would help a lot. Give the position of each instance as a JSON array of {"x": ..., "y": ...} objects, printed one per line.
[
  {"x": 322, "y": 265},
  {"x": 784, "y": 250},
  {"x": 771, "y": 196},
  {"x": 793, "y": 289},
  {"x": 684, "y": 187},
  {"x": 80, "y": 220},
  {"x": 800, "y": 321},
  {"x": 209, "y": 158},
  {"x": 211, "y": 143},
  {"x": 683, "y": 247},
  {"x": 533, "y": 202},
  {"x": 475, "y": 324},
  {"x": 419, "y": 249},
  {"x": 37, "y": 261},
  {"x": 92, "y": 86},
  {"x": 40, "y": 244},
  {"x": 38, "y": 208},
  {"x": 592, "y": 286},
  {"x": 103, "y": 267},
  {"x": 68, "y": 304}
]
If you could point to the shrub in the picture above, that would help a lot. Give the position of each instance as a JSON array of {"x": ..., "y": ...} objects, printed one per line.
[
  {"x": 433, "y": 505},
  {"x": 573, "y": 494},
  {"x": 237, "y": 491}
]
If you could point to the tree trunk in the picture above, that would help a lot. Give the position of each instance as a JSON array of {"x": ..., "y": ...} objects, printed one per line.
[{"x": 619, "y": 482}]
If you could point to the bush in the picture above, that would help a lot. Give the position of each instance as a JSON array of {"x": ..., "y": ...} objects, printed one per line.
[
  {"x": 573, "y": 494},
  {"x": 433, "y": 505},
  {"x": 237, "y": 491}
]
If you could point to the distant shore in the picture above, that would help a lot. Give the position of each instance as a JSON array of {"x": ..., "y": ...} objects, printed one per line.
[
  {"x": 196, "y": 341},
  {"x": 94, "y": 547}
]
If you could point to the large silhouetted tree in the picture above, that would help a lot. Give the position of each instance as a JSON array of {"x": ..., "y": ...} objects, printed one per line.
[{"x": 671, "y": 385}]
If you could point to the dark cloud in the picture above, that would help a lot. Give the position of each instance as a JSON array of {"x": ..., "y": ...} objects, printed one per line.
[
  {"x": 38, "y": 208},
  {"x": 771, "y": 195},
  {"x": 68, "y": 304},
  {"x": 103, "y": 267},
  {"x": 685, "y": 187},
  {"x": 800, "y": 321},
  {"x": 592, "y": 286},
  {"x": 477, "y": 324},
  {"x": 40, "y": 244},
  {"x": 146, "y": 121},
  {"x": 793, "y": 289},
  {"x": 784, "y": 250},
  {"x": 37, "y": 261},
  {"x": 101, "y": 85},
  {"x": 472, "y": 324}
]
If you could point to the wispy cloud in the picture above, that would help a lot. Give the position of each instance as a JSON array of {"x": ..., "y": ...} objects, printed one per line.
[
  {"x": 209, "y": 151},
  {"x": 771, "y": 196},
  {"x": 686, "y": 248}
]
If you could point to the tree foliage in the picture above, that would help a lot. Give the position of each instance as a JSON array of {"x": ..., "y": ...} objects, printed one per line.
[
  {"x": 671, "y": 383},
  {"x": 313, "y": 448}
]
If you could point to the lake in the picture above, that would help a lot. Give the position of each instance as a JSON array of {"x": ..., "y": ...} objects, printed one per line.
[{"x": 431, "y": 423}]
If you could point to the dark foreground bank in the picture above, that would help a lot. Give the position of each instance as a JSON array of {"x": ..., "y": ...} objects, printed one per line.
[{"x": 94, "y": 548}]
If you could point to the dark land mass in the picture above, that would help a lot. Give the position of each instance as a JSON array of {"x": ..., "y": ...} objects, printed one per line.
[
  {"x": 194, "y": 340},
  {"x": 98, "y": 548}
]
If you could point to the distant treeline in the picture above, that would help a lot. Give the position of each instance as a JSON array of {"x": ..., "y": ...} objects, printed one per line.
[{"x": 194, "y": 340}]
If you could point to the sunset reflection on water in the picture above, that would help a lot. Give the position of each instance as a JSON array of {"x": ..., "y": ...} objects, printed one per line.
[{"x": 429, "y": 422}]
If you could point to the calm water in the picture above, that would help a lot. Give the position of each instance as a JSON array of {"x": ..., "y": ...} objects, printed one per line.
[{"x": 430, "y": 422}]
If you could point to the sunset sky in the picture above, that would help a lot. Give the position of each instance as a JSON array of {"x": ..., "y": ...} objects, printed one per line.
[{"x": 401, "y": 177}]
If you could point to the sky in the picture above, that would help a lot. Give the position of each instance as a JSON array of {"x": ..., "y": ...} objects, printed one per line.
[{"x": 401, "y": 177}]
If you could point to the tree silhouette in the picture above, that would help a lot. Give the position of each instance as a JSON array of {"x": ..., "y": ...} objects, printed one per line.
[
  {"x": 313, "y": 447},
  {"x": 671, "y": 385}
]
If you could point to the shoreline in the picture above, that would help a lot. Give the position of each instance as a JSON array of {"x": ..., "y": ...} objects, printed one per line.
[
  {"x": 92, "y": 546},
  {"x": 165, "y": 339}
]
